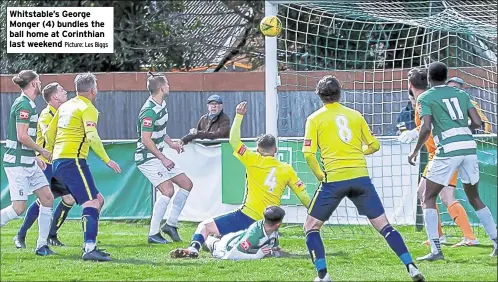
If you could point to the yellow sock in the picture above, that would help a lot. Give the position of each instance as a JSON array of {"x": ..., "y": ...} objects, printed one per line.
[
  {"x": 439, "y": 227},
  {"x": 459, "y": 215}
]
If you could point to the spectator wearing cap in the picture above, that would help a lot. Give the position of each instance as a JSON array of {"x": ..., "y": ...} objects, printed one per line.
[
  {"x": 213, "y": 125},
  {"x": 458, "y": 83}
]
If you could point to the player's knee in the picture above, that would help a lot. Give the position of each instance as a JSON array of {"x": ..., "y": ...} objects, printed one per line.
[
  {"x": 69, "y": 200},
  {"x": 379, "y": 222},
  {"x": 166, "y": 188},
  {"x": 101, "y": 200},
  {"x": 207, "y": 227},
  {"x": 183, "y": 182},
  {"x": 312, "y": 223},
  {"x": 447, "y": 196},
  {"x": 91, "y": 204},
  {"x": 19, "y": 207},
  {"x": 46, "y": 198}
]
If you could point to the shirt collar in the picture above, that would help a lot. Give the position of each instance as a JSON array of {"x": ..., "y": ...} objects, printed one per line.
[
  {"x": 154, "y": 101},
  {"x": 84, "y": 99},
  {"x": 51, "y": 109},
  {"x": 332, "y": 106},
  {"x": 24, "y": 94}
]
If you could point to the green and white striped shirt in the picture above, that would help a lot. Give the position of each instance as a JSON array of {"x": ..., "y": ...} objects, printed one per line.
[
  {"x": 449, "y": 107},
  {"x": 153, "y": 118},
  {"x": 16, "y": 154}
]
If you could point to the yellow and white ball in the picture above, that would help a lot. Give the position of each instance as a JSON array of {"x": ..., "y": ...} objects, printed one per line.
[{"x": 270, "y": 26}]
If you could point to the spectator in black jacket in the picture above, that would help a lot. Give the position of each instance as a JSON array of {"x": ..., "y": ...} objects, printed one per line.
[{"x": 213, "y": 125}]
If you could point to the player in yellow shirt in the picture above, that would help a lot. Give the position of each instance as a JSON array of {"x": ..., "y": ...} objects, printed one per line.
[
  {"x": 344, "y": 138},
  {"x": 71, "y": 133},
  {"x": 54, "y": 94},
  {"x": 266, "y": 181}
]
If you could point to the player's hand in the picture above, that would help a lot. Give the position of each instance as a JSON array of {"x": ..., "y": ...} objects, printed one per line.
[
  {"x": 168, "y": 164},
  {"x": 112, "y": 164},
  {"x": 264, "y": 251},
  {"x": 177, "y": 146},
  {"x": 46, "y": 154},
  {"x": 408, "y": 136},
  {"x": 241, "y": 108},
  {"x": 41, "y": 163},
  {"x": 412, "y": 158}
]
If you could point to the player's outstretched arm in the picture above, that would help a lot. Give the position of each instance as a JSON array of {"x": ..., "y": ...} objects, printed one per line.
[
  {"x": 485, "y": 121},
  {"x": 89, "y": 118},
  {"x": 298, "y": 187},
  {"x": 240, "y": 251},
  {"x": 309, "y": 149},
  {"x": 373, "y": 145},
  {"x": 234, "y": 139}
]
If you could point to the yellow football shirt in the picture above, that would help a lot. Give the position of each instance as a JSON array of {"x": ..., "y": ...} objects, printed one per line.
[
  {"x": 46, "y": 116},
  {"x": 266, "y": 177},
  {"x": 340, "y": 133},
  {"x": 69, "y": 128}
]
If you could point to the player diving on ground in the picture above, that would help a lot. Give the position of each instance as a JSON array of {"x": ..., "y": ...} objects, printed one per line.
[
  {"x": 341, "y": 134},
  {"x": 266, "y": 180},
  {"x": 256, "y": 242}
]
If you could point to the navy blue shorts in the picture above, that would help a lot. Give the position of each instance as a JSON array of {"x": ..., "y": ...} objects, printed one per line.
[
  {"x": 75, "y": 174},
  {"x": 232, "y": 222},
  {"x": 58, "y": 188},
  {"x": 360, "y": 191}
]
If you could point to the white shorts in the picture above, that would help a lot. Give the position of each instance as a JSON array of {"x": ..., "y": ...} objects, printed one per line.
[
  {"x": 441, "y": 170},
  {"x": 24, "y": 180},
  {"x": 157, "y": 173}
]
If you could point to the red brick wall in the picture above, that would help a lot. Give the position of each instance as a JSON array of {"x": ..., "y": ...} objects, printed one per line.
[{"x": 250, "y": 81}]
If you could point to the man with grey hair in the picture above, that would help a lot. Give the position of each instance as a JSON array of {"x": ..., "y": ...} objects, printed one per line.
[
  {"x": 161, "y": 171},
  {"x": 71, "y": 133}
]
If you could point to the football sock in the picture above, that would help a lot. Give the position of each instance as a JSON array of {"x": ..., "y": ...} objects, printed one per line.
[
  {"x": 396, "y": 243},
  {"x": 487, "y": 222},
  {"x": 90, "y": 223},
  {"x": 30, "y": 218},
  {"x": 459, "y": 215},
  {"x": 430, "y": 220},
  {"x": 439, "y": 226},
  {"x": 179, "y": 200},
  {"x": 44, "y": 222},
  {"x": 317, "y": 251},
  {"x": 160, "y": 207},
  {"x": 7, "y": 214},
  {"x": 60, "y": 216},
  {"x": 197, "y": 241}
]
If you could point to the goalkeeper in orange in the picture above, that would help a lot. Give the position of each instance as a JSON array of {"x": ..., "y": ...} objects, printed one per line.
[{"x": 417, "y": 84}]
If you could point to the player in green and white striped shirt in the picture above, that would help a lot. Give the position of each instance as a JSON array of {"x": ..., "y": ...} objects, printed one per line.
[
  {"x": 446, "y": 110},
  {"x": 22, "y": 167},
  {"x": 161, "y": 171},
  {"x": 256, "y": 242}
]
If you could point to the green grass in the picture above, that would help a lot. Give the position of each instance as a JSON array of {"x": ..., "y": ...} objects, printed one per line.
[{"x": 350, "y": 256}]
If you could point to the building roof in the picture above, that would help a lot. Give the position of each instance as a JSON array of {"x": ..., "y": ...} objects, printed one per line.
[{"x": 219, "y": 30}]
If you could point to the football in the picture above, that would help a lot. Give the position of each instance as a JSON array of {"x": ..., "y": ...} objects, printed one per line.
[{"x": 270, "y": 26}]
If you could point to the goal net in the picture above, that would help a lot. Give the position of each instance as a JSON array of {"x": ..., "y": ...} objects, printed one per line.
[{"x": 370, "y": 47}]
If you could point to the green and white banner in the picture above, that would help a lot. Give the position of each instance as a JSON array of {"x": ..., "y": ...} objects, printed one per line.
[{"x": 219, "y": 182}]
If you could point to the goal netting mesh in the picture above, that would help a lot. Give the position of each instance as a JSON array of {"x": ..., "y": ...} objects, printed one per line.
[{"x": 370, "y": 46}]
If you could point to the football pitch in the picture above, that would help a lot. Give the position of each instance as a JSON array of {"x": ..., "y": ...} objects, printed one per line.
[{"x": 350, "y": 256}]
